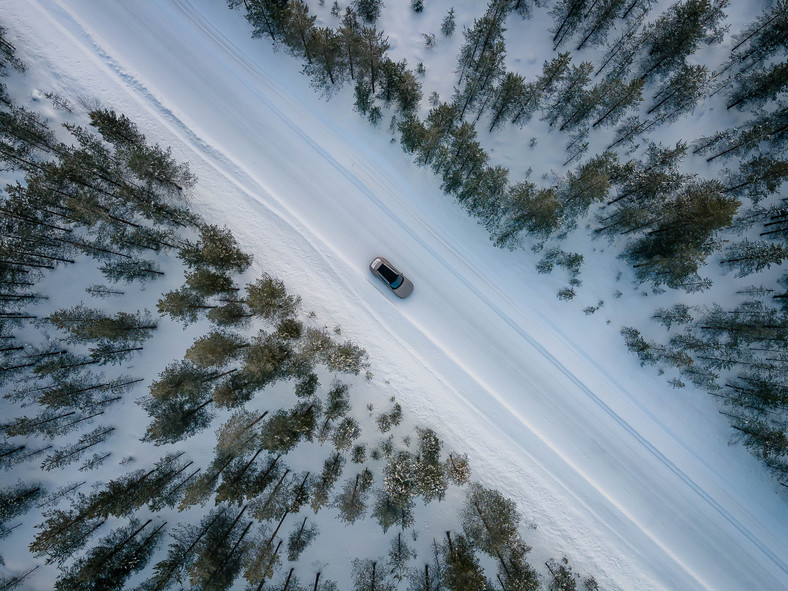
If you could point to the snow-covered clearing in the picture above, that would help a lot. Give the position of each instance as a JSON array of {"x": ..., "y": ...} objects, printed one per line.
[{"x": 633, "y": 481}]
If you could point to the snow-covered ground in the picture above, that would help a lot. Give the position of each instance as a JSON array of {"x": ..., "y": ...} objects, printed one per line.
[{"x": 633, "y": 481}]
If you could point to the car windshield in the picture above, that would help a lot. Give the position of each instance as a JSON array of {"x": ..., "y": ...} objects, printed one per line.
[{"x": 396, "y": 283}]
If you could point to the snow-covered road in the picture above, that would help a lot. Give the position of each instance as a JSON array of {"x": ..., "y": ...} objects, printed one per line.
[{"x": 636, "y": 484}]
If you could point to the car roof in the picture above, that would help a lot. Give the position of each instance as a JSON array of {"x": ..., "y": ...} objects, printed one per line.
[{"x": 388, "y": 273}]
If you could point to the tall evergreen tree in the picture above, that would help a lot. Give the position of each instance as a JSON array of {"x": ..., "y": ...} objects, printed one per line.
[
  {"x": 751, "y": 257},
  {"x": 682, "y": 238},
  {"x": 217, "y": 249},
  {"x": 462, "y": 569},
  {"x": 680, "y": 93},
  {"x": 568, "y": 16},
  {"x": 760, "y": 176},
  {"x": 480, "y": 63},
  {"x": 108, "y": 565},
  {"x": 678, "y": 32}
]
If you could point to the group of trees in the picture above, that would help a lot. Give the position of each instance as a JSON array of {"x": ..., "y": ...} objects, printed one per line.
[
  {"x": 354, "y": 52},
  {"x": 135, "y": 189},
  {"x": 248, "y": 478},
  {"x": 668, "y": 223},
  {"x": 740, "y": 356}
]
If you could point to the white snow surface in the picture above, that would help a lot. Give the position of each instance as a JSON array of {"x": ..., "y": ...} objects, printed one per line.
[{"x": 635, "y": 482}]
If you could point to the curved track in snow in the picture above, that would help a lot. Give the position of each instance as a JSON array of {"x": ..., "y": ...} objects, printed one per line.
[{"x": 544, "y": 407}]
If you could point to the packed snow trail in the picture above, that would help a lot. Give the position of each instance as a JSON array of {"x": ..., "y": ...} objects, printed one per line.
[{"x": 476, "y": 351}]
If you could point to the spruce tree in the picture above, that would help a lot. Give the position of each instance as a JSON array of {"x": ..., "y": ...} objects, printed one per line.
[
  {"x": 299, "y": 539},
  {"x": 480, "y": 63},
  {"x": 17, "y": 499},
  {"x": 680, "y": 93},
  {"x": 462, "y": 569},
  {"x": 757, "y": 87},
  {"x": 568, "y": 16},
  {"x": 751, "y": 257},
  {"x": 299, "y": 29},
  {"x": 678, "y": 32},
  {"x": 109, "y": 564},
  {"x": 757, "y": 178},
  {"x": 370, "y": 575},
  {"x": 217, "y": 249}
]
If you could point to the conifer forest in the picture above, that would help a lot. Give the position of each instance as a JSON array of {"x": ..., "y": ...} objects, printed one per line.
[{"x": 176, "y": 416}]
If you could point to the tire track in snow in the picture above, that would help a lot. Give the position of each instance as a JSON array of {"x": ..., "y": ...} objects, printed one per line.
[
  {"x": 216, "y": 155},
  {"x": 219, "y": 38}
]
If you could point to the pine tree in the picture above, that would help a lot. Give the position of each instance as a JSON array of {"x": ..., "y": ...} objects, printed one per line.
[
  {"x": 352, "y": 501},
  {"x": 350, "y": 38},
  {"x": 682, "y": 239},
  {"x": 64, "y": 532},
  {"x": 369, "y": 10},
  {"x": 758, "y": 177},
  {"x": 267, "y": 359},
  {"x": 109, "y": 564},
  {"x": 299, "y": 29},
  {"x": 617, "y": 99},
  {"x": 428, "y": 140},
  {"x": 600, "y": 18},
  {"x": 535, "y": 211},
  {"x": 644, "y": 191},
  {"x": 462, "y": 569},
  {"x": 174, "y": 419},
  {"x": 553, "y": 73},
  {"x": 458, "y": 468},
  {"x": 766, "y": 438},
  {"x": 506, "y": 98},
  {"x": 448, "y": 24},
  {"x": 325, "y": 481},
  {"x": 481, "y": 58},
  {"x": 514, "y": 571},
  {"x": 267, "y": 18},
  {"x": 369, "y": 575},
  {"x": 490, "y": 520},
  {"x": 761, "y": 39},
  {"x": 759, "y": 86},
  {"x": 678, "y": 32},
  {"x": 399, "y": 555},
  {"x": 345, "y": 433},
  {"x": 219, "y": 553},
  {"x": 569, "y": 90},
  {"x": 563, "y": 579},
  {"x": 751, "y": 257},
  {"x": 676, "y": 314},
  {"x": 680, "y": 93},
  {"x": 88, "y": 324},
  {"x": 588, "y": 185},
  {"x": 524, "y": 8},
  {"x": 299, "y": 539},
  {"x": 262, "y": 559},
  {"x": 71, "y": 453},
  {"x": 268, "y": 297},
  {"x": 432, "y": 479},
  {"x": 18, "y": 499},
  {"x": 429, "y": 578},
  {"x": 14, "y": 581},
  {"x": 217, "y": 249},
  {"x": 387, "y": 512},
  {"x": 181, "y": 551},
  {"x": 215, "y": 349},
  {"x": 372, "y": 50},
  {"x": 568, "y": 16},
  {"x": 183, "y": 305},
  {"x": 463, "y": 157}
]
